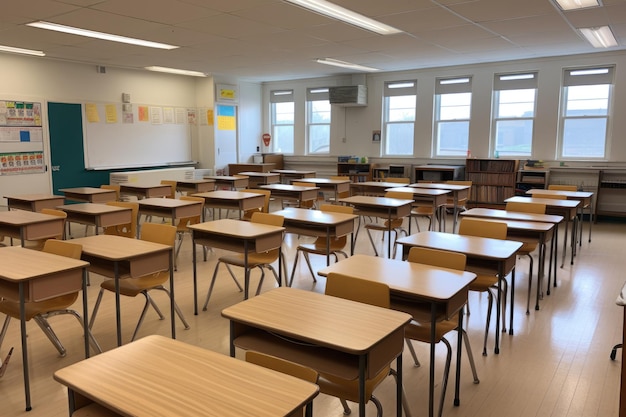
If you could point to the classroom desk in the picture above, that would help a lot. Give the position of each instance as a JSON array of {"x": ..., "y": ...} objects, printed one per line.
[
  {"x": 89, "y": 194},
  {"x": 328, "y": 185},
  {"x": 98, "y": 215},
  {"x": 292, "y": 192},
  {"x": 483, "y": 254},
  {"x": 332, "y": 335},
  {"x": 256, "y": 179},
  {"x": 195, "y": 186},
  {"x": 376, "y": 188},
  {"x": 494, "y": 214},
  {"x": 585, "y": 198},
  {"x": 170, "y": 207},
  {"x": 28, "y": 225},
  {"x": 228, "y": 181},
  {"x": 137, "y": 379},
  {"x": 319, "y": 223},
  {"x": 28, "y": 276},
  {"x": 236, "y": 236},
  {"x": 386, "y": 208},
  {"x": 232, "y": 200},
  {"x": 119, "y": 257},
  {"x": 287, "y": 175},
  {"x": 445, "y": 290},
  {"x": 459, "y": 192},
  {"x": 566, "y": 208},
  {"x": 33, "y": 202},
  {"x": 146, "y": 190},
  {"x": 254, "y": 167},
  {"x": 436, "y": 198}
]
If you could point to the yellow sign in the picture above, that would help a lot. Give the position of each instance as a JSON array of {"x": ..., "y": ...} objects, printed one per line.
[
  {"x": 92, "y": 113},
  {"x": 111, "y": 113},
  {"x": 227, "y": 94},
  {"x": 209, "y": 117}
]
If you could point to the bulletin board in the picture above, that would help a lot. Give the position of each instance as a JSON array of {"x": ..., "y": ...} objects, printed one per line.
[
  {"x": 125, "y": 135},
  {"x": 21, "y": 138}
]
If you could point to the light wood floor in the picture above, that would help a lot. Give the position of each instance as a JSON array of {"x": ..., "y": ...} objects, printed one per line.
[{"x": 557, "y": 363}]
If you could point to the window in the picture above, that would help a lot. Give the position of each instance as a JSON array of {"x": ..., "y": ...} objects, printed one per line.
[
  {"x": 513, "y": 118},
  {"x": 399, "y": 117},
  {"x": 318, "y": 120},
  {"x": 453, "y": 102},
  {"x": 585, "y": 112},
  {"x": 282, "y": 103}
]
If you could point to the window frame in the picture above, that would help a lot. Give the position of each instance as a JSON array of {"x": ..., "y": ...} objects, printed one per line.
[
  {"x": 312, "y": 95},
  {"x": 403, "y": 88},
  {"x": 445, "y": 86},
  {"x": 276, "y": 97}
]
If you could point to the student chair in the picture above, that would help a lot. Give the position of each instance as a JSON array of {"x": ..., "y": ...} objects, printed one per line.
[
  {"x": 41, "y": 311},
  {"x": 587, "y": 206},
  {"x": 396, "y": 224},
  {"x": 39, "y": 244},
  {"x": 164, "y": 234},
  {"x": 247, "y": 215},
  {"x": 342, "y": 194},
  {"x": 127, "y": 229},
  {"x": 182, "y": 227}
]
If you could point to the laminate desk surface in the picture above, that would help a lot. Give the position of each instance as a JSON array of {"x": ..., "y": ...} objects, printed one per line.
[
  {"x": 573, "y": 195},
  {"x": 440, "y": 186},
  {"x": 34, "y": 202},
  {"x": 29, "y": 225},
  {"x": 374, "y": 187},
  {"x": 146, "y": 190},
  {"x": 362, "y": 201},
  {"x": 260, "y": 178},
  {"x": 235, "y": 200},
  {"x": 157, "y": 376},
  {"x": 195, "y": 185},
  {"x": 170, "y": 207},
  {"x": 89, "y": 194},
  {"x": 101, "y": 215},
  {"x": 228, "y": 181},
  {"x": 294, "y": 174},
  {"x": 237, "y": 228},
  {"x": 550, "y": 203},
  {"x": 315, "y": 219},
  {"x": 496, "y": 214},
  {"x": 292, "y": 192}
]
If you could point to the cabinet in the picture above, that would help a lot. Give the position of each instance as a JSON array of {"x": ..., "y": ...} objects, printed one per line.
[
  {"x": 439, "y": 173},
  {"x": 611, "y": 199},
  {"x": 531, "y": 178},
  {"x": 390, "y": 171},
  {"x": 358, "y": 172},
  {"x": 493, "y": 180}
]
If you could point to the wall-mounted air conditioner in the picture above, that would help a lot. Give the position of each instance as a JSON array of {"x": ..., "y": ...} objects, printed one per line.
[{"x": 348, "y": 96}]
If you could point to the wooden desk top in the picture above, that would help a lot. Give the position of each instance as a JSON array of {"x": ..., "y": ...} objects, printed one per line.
[
  {"x": 92, "y": 208},
  {"x": 138, "y": 379},
  {"x": 377, "y": 184},
  {"x": 549, "y": 202},
  {"x": 511, "y": 215},
  {"x": 332, "y": 322},
  {"x": 440, "y": 186},
  {"x": 227, "y": 195},
  {"x": 195, "y": 181},
  {"x": 292, "y": 171},
  {"x": 406, "y": 278},
  {"x": 470, "y": 245},
  {"x": 420, "y": 191},
  {"x": 223, "y": 178},
  {"x": 117, "y": 248},
  {"x": 166, "y": 202},
  {"x": 21, "y": 264},
  {"x": 139, "y": 186},
  {"x": 260, "y": 174},
  {"x": 24, "y": 218},
  {"x": 315, "y": 216},
  {"x": 287, "y": 187},
  {"x": 236, "y": 228},
  {"x": 87, "y": 190},
  {"x": 34, "y": 197},
  {"x": 569, "y": 194},
  {"x": 325, "y": 181},
  {"x": 366, "y": 200}
]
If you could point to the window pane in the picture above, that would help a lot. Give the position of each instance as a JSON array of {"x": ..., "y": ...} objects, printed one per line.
[
  {"x": 320, "y": 112},
  {"x": 584, "y": 137},
  {"x": 452, "y": 138},
  {"x": 283, "y": 113},
  {"x": 514, "y": 137},
  {"x": 516, "y": 103},
  {"x": 587, "y": 100},
  {"x": 319, "y": 138},
  {"x": 399, "y": 138},
  {"x": 283, "y": 138}
]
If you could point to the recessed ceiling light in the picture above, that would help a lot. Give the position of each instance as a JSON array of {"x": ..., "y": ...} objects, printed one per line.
[
  {"x": 343, "y": 64},
  {"x": 177, "y": 71},
  {"x": 577, "y": 4},
  {"x": 329, "y": 9},
  {"x": 21, "y": 51},
  {"x": 599, "y": 37},
  {"x": 99, "y": 35}
]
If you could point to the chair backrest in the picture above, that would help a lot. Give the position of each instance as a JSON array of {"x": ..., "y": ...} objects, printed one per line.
[
  {"x": 518, "y": 206},
  {"x": 63, "y": 248},
  {"x": 436, "y": 257},
  {"x": 482, "y": 228},
  {"x": 113, "y": 187},
  {"x": 128, "y": 229},
  {"x": 267, "y": 218},
  {"x": 162, "y": 233},
  {"x": 562, "y": 187},
  {"x": 357, "y": 289},
  {"x": 281, "y": 365},
  {"x": 186, "y": 221},
  {"x": 266, "y": 203},
  {"x": 399, "y": 180},
  {"x": 172, "y": 185},
  {"x": 399, "y": 194},
  {"x": 335, "y": 208},
  {"x": 58, "y": 213}
]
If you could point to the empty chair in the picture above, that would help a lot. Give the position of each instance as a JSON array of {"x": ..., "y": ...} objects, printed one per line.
[
  {"x": 41, "y": 311},
  {"x": 113, "y": 187},
  {"x": 164, "y": 234},
  {"x": 341, "y": 194},
  {"x": 420, "y": 330},
  {"x": 247, "y": 215},
  {"x": 363, "y": 291},
  {"x": 528, "y": 245},
  {"x": 182, "y": 227},
  {"x": 586, "y": 206},
  {"x": 172, "y": 185},
  {"x": 39, "y": 244},
  {"x": 460, "y": 204},
  {"x": 335, "y": 245},
  {"x": 396, "y": 224},
  {"x": 127, "y": 229},
  {"x": 255, "y": 260},
  {"x": 485, "y": 282},
  {"x": 305, "y": 204}
]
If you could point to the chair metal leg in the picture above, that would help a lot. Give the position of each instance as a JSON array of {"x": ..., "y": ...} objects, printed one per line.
[
  {"x": 5, "y": 326},
  {"x": 96, "y": 306},
  {"x": 142, "y": 316},
  {"x": 446, "y": 374},
  {"x": 44, "y": 317},
  {"x": 47, "y": 330},
  {"x": 470, "y": 356},
  {"x": 489, "y": 308},
  {"x": 409, "y": 344},
  {"x": 346, "y": 407},
  {"x": 308, "y": 262},
  {"x": 530, "y": 284},
  {"x": 372, "y": 241}
]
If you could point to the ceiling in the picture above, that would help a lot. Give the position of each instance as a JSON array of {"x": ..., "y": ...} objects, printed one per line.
[{"x": 266, "y": 40}]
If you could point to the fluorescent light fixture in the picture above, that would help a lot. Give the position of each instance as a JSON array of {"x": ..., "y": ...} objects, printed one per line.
[
  {"x": 343, "y": 64},
  {"x": 177, "y": 71},
  {"x": 21, "y": 51},
  {"x": 577, "y": 4},
  {"x": 99, "y": 35},
  {"x": 600, "y": 37},
  {"x": 348, "y": 16}
]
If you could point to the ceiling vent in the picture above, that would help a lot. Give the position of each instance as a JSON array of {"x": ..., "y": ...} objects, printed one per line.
[{"x": 348, "y": 96}]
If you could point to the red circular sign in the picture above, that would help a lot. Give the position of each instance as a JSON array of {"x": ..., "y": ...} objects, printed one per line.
[{"x": 266, "y": 139}]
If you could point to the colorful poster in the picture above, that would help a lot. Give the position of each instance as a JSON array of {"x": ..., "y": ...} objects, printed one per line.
[
  {"x": 91, "y": 111},
  {"x": 226, "y": 119},
  {"x": 144, "y": 114},
  {"x": 15, "y": 163}
]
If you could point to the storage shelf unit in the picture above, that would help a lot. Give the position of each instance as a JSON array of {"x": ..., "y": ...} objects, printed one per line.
[
  {"x": 612, "y": 193},
  {"x": 531, "y": 178},
  {"x": 358, "y": 172},
  {"x": 439, "y": 173},
  {"x": 389, "y": 171},
  {"x": 493, "y": 180}
]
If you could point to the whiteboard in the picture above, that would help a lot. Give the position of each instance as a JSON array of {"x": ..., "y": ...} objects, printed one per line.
[{"x": 121, "y": 139}]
